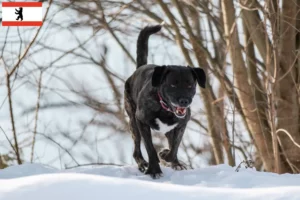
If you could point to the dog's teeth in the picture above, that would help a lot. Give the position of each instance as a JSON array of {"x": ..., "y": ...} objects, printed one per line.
[{"x": 180, "y": 111}]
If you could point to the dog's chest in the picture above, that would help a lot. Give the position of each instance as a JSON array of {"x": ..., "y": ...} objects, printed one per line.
[{"x": 163, "y": 127}]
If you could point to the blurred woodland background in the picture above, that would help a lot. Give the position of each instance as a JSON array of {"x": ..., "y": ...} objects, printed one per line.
[{"x": 61, "y": 85}]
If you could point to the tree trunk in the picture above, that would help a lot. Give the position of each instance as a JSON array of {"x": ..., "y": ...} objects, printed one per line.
[
  {"x": 288, "y": 105},
  {"x": 262, "y": 138}
]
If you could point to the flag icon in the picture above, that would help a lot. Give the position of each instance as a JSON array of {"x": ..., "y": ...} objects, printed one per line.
[{"x": 22, "y": 14}]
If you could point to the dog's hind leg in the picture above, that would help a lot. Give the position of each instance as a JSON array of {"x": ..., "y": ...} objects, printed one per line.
[
  {"x": 137, "y": 154},
  {"x": 136, "y": 136},
  {"x": 170, "y": 155}
]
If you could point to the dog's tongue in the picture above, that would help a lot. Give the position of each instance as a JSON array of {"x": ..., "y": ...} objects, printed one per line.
[{"x": 180, "y": 111}]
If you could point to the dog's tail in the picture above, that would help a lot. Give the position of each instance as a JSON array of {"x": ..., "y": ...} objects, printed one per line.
[{"x": 142, "y": 43}]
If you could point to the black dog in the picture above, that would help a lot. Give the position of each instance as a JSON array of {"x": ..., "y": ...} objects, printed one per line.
[{"x": 159, "y": 97}]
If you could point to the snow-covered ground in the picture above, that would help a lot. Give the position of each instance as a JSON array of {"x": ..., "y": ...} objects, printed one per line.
[{"x": 37, "y": 182}]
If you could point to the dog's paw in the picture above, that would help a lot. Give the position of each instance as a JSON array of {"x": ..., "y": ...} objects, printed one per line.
[
  {"x": 154, "y": 171},
  {"x": 178, "y": 166},
  {"x": 143, "y": 165},
  {"x": 169, "y": 161},
  {"x": 164, "y": 155}
]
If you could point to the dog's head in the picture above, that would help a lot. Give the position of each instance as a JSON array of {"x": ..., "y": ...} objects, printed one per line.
[{"x": 177, "y": 85}]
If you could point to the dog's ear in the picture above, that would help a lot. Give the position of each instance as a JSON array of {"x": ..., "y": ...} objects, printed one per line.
[
  {"x": 158, "y": 75},
  {"x": 200, "y": 76}
]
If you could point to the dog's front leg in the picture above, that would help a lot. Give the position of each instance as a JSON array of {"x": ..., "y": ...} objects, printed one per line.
[
  {"x": 170, "y": 155},
  {"x": 153, "y": 167}
]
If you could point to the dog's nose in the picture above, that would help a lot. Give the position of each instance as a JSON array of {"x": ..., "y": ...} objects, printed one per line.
[{"x": 183, "y": 102}]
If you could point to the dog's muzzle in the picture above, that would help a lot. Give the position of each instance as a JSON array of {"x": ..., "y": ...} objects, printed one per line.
[{"x": 178, "y": 111}]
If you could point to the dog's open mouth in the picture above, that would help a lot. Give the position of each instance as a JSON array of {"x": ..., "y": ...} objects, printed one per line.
[{"x": 180, "y": 111}]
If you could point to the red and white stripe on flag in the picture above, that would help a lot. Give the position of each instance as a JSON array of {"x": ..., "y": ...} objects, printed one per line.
[{"x": 22, "y": 14}]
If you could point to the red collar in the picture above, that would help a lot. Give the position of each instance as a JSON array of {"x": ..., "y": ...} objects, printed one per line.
[{"x": 163, "y": 104}]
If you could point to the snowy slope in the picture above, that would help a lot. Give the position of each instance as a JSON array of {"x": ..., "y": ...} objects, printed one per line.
[{"x": 37, "y": 182}]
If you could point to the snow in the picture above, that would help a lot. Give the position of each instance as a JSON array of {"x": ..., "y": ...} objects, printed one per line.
[{"x": 36, "y": 182}]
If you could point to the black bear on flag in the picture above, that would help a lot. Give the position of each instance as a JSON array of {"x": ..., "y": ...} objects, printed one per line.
[{"x": 19, "y": 13}]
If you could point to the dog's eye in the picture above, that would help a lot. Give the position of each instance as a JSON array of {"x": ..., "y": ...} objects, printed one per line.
[
  {"x": 173, "y": 86},
  {"x": 190, "y": 86}
]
